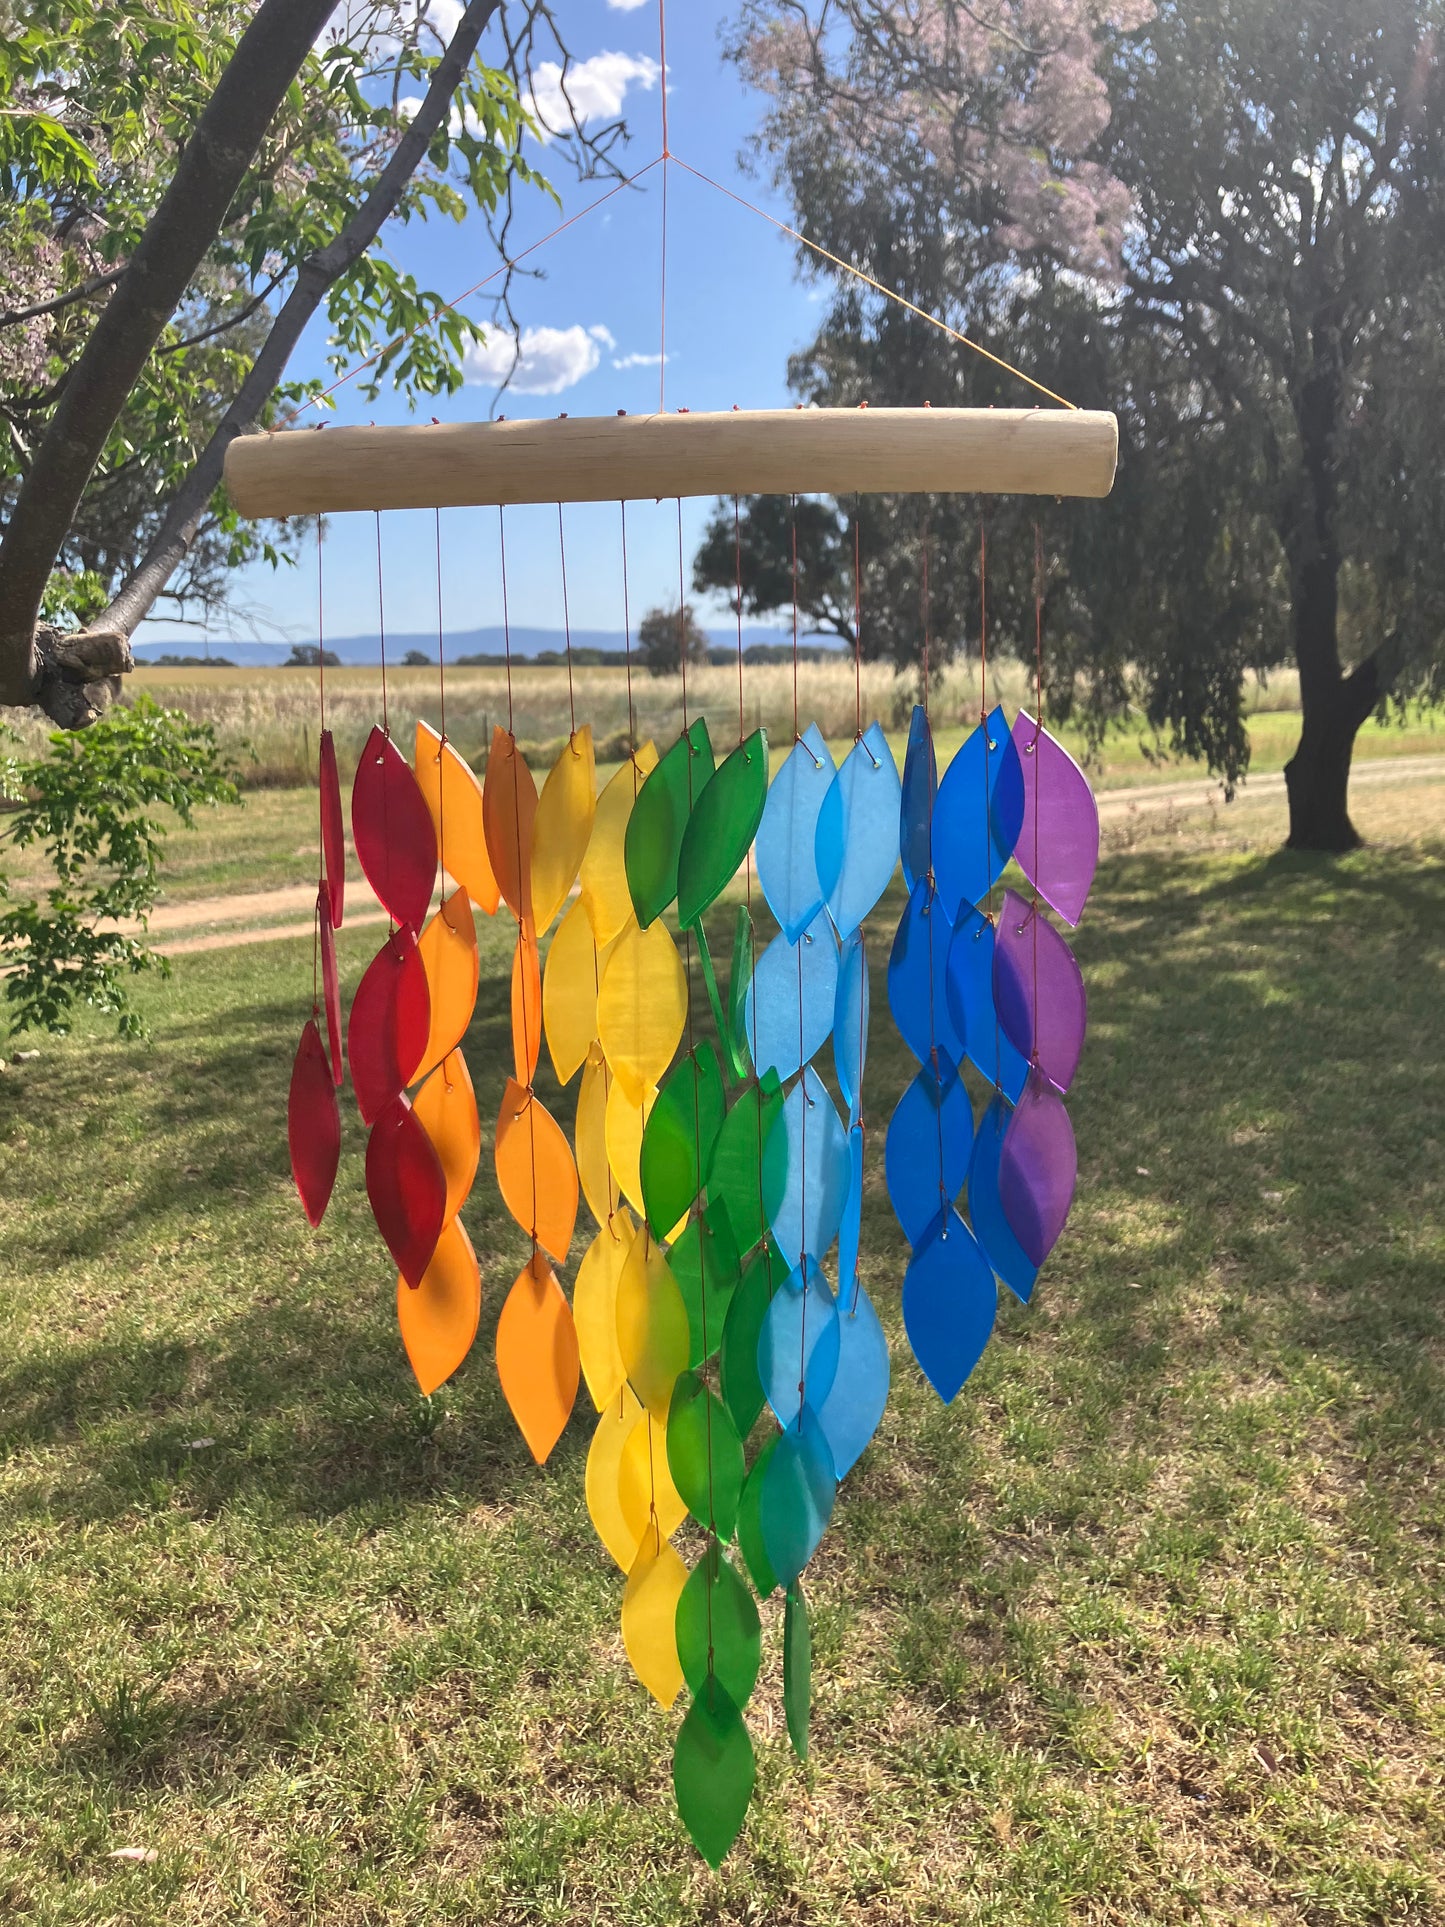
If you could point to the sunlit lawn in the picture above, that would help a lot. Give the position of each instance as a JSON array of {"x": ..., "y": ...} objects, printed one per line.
[{"x": 1147, "y": 1627}]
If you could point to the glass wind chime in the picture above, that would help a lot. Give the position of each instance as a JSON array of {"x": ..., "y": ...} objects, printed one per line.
[{"x": 736, "y": 1364}]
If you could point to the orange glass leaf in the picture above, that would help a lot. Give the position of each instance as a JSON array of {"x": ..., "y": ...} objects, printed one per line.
[
  {"x": 448, "y": 947},
  {"x": 605, "y": 895},
  {"x": 526, "y": 1005},
  {"x": 569, "y": 993},
  {"x": 313, "y": 1124},
  {"x": 537, "y": 1364},
  {"x": 454, "y": 797},
  {"x": 446, "y": 1106},
  {"x": 563, "y": 824},
  {"x": 649, "y": 1616},
  {"x": 439, "y": 1319},
  {"x": 652, "y": 1329},
  {"x": 389, "y": 1024},
  {"x": 509, "y": 812},
  {"x": 535, "y": 1172},
  {"x": 623, "y": 1125},
  {"x": 642, "y": 1007},
  {"x": 391, "y": 827},
  {"x": 599, "y": 1187},
  {"x": 594, "y": 1308}
]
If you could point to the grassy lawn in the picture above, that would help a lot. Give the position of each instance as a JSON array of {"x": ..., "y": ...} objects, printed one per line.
[{"x": 1148, "y": 1627}]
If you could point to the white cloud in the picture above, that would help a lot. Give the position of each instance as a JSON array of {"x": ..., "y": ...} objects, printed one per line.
[
  {"x": 547, "y": 360},
  {"x": 639, "y": 361},
  {"x": 596, "y": 89},
  {"x": 626, "y": 6}
]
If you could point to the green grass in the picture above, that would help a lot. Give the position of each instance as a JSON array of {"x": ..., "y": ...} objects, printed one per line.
[{"x": 1147, "y": 1627}]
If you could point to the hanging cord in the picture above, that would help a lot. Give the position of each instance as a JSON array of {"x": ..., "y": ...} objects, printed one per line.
[
  {"x": 627, "y": 654},
  {"x": 441, "y": 747},
  {"x": 931, "y": 900},
  {"x": 1038, "y": 731},
  {"x": 682, "y": 641},
  {"x": 858, "y": 619},
  {"x": 738, "y": 559},
  {"x": 506, "y": 618},
  {"x": 320, "y": 804},
  {"x": 989, "y": 916},
  {"x": 702, "y": 1262},
  {"x": 520, "y": 962},
  {"x": 385, "y": 712},
  {"x": 566, "y": 623},
  {"x": 795, "y": 618}
]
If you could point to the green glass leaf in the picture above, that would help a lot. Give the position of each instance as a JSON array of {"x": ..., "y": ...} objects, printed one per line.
[
  {"x": 681, "y": 1132},
  {"x": 734, "y": 1032},
  {"x": 750, "y": 1527},
  {"x": 718, "y": 1630},
  {"x": 742, "y": 1389},
  {"x": 797, "y": 1669},
  {"x": 721, "y": 828},
  {"x": 708, "y": 1270},
  {"x": 655, "y": 828},
  {"x": 746, "y": 1142},
  {"x": 712, "y": 1772},
  {"x": 704, "y": 1455}
]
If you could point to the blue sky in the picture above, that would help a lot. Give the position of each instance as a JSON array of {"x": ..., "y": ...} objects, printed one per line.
[{"x": 736, "y": 310}]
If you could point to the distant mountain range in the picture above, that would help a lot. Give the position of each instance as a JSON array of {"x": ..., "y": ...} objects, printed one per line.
[{"x": 468, "y": 642}]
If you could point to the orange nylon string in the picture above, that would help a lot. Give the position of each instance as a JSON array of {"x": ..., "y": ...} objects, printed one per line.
[
  {"x": 795, "y": 618},
  {"x": 566, "y": 620},
  {"x": 858, "y": 619},
  {"x": 442, "y": 698},
  {"x": 627, "y": 652},
  {"x": 506, "y": 618},
  {"x": 738, "y": 555}
]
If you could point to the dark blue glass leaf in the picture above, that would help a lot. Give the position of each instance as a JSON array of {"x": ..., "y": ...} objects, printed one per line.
[
  {"x": 918, "y": 979},
  {"x": 849, "y": 1415},
  {"x": 806, "y": 1207},
  {"x": 925, "y": 1158},
  {"x": 850, "y": 1022},
  {"x": 850, "y": 1227},
  {"x": 857, "y": 845},
  {"x": 798, "y": 1343},
  {"x": 990, "y": 1226},
  {"x": 977, "y": 816},
  {"x": 785, "y": 851},
  {"x": 949, "y": 1303},
  {"x": 790, "y": 1004},
  {"x": 920, "y": 787},
  {"x": 970, "y": 1004},
  {"x": 796, "y": 1502}
]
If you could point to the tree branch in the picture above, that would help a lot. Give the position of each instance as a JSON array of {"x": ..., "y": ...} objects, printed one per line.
[
  {"x": 316, "y": 275},
  {"x": 13, "y": 316},
  {"x": 212, "y": 165}
]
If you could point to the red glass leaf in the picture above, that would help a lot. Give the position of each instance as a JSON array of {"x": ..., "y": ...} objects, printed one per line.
[
  {"x": 330, "y": 983},
  {"x": 396, "y": 842},
  {"x": 313, "y": 1124},
  {"x": 390, "y": 1021},
  {"x": 333, "y": 833},
  {"x": 407, "y": 1188}
]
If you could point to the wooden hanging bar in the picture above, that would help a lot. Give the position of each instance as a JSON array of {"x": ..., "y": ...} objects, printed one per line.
[{"x": 608, "y": 458}]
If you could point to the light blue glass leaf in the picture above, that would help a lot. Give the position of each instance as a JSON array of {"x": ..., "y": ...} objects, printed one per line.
[
  {"x": 798, "y": 1344},
  {"x": 949, "y": 1303},
  {"x": 925, "y": 1159},
  {"x": 805, "y": 1186},
  {"x": 785, "y": 851},
  {"x": 977, "y": 816},
  {"x": 850, "y": 1228},
  {"x": 850, "y": 1413},
  {"x": 920, "y": 787},
  {"x": 796, "y": 1502},
  {"x": 971, "y": 1005},
  {"x": 918, "y": 979},
  {"x": 850, "y": 1023},
  {"x": 857, "y": 846},
  {"x": 990, "y": 1226},
  {"x": 790, "y": 1003}
]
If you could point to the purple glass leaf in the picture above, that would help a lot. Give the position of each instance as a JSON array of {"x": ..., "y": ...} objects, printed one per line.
[
  {"x": 1038, "y": 991},
  {"x": 798, "y": 1343},
  {"x": 1037, "y": 1170},
  {"x": 857, "y": 833},
  {"x": 918, "y": 978},
  {"x": 990, "y": 1226},
  {"x": 920, "y": 787},
  {"x": 785, "y": 850},
  {"x": 392, "y": 828},
  {"x": 949, "y": 1304},
  {"x": 971, "y": 1005},
  {"x": 333, "y": 833},
  {"x": 1058, "y": 843},
  {"x": 977, "y": 815},
  {"x": 850, "y": 1023},
  {"x": 925, "y": 1159}
]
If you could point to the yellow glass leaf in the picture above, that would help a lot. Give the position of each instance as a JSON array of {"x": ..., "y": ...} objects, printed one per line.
[
  {"x": 599, "y": 1187},
  {"x": 642, "y": 1007},
  {"x": 619, "y": 1529},
  {"x": 446, "y": 1107},
  {"x": 652, "y": 1329},
  {"x": 439, "y": 1319},
  {"x": 448, "y": 949},
  {"x": 594, "y": 1307},
  {"x": 649, "y": 1616},
  {"x": 564, "y": 823},
  {"x": 644, "y": 1482},
  {"x": 623, "y": 1126},
  {"x": 537, "y": 1356},
  {"x": 535, "y": 1172},
  {"x": 569, "y": 993},
  {"x": 526, "y": 1005},
  {"x": 454, "y": 797},
  {"x": 605, "y": 895},
  {"x": 509, "y": 811}
]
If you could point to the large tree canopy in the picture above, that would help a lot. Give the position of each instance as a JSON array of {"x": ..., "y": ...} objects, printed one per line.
[{"x": 1267, "y": 326}]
